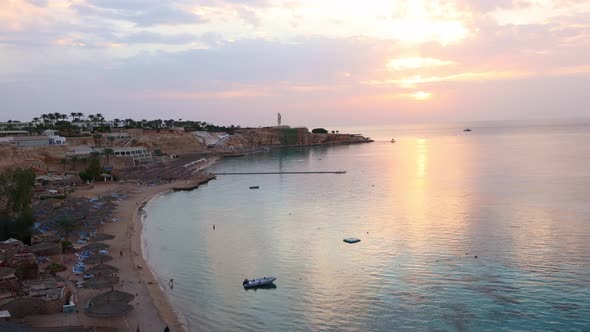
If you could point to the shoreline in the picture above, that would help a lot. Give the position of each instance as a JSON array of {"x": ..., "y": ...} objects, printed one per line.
[{"x": 159, "y": 297}]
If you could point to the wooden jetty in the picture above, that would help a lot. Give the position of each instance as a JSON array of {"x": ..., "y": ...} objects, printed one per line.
[{"x": 258, "y": 173}]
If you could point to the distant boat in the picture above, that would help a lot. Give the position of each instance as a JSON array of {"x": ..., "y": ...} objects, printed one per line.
[
  {"x": 352, "y": 240},
  {"x": 393, "y": 140},
  {"x": 254, "y": 187},
  {"x": 259, "y": 282},
  {"x": 466, "y": 129}
]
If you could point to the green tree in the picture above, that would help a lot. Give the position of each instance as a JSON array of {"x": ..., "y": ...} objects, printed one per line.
[
  {"x": 97, "y": 139},
  {"x": 16, "y": 215},
  {"x": 93, "y": 170},
  {"x": 319, "y": 131},
  {"x": 107, "y": 152},
  {"x": 63, "y": 161},
  {"x": 74, "y": 160},
  {"x": 16, "y": 189},
  {"x": 67, "y": 225}
]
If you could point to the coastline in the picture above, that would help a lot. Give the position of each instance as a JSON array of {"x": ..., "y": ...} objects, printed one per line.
[
  {"x": 158, "y": 297},
  {"x": 134, "y": 211}
]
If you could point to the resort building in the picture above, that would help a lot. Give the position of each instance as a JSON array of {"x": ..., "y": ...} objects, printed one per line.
[
  {"x": 14, "y": 125},
  {"x": 80, "y": 151},
  {"x": 140, "y": 155},
  {"x": 20, "y": 140},
  {"x": 5, "y": 133},
  {"x": 30, "y": 141},
  {"x": 53, "y": 138},
  {"x": 117, "y": 135}
]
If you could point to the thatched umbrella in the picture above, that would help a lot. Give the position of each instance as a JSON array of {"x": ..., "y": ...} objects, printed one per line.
[
  {"x": 108, "y": 309},
  {"x": 102, "y": 237},
  {"x": 102, "y": 269},
  {"x": 97, "y": 258},
  {"x": 113, "y": 296},
  {"x": 95, "y": 246},
  {"x": 101, "y": 282}
]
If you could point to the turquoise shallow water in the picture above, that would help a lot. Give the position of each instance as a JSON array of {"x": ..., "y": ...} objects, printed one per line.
[{"x": 423, "y": 208}]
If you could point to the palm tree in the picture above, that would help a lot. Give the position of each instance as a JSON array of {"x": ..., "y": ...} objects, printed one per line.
[
  {"x": 100, "y": 118},
  {"x": 97, "y": 139},
  {"x": 79, "y": 115},
  {"x": 74, "y": 159},
  {"x": 63, "y": 161},
  {"x": 73, "y": 115},
  {"x": 45, "y": 117},
  {"x": 107, "y": 152},
  {"x": 116, "y": 121},
  {"x": 35, "y": 121},
  {"x": 67, "y": 225}
]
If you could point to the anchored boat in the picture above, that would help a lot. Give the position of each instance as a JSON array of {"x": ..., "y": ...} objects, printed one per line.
[{"x": 258, "y": 282}]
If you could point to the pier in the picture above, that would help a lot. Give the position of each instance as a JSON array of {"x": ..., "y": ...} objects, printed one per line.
[{"x": 258, "y": 173}]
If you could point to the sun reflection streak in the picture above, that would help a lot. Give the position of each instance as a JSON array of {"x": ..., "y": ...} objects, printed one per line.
[{"x": 421, "y": 157}]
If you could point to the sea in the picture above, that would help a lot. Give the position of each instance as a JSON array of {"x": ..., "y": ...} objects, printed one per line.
[{"x": 487, "y": 230}]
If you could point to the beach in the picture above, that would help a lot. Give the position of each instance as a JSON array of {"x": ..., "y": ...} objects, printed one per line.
[{"x": 152, "y": 310}]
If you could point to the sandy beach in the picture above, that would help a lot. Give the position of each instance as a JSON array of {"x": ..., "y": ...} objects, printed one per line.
[{"x": 152, "y": 309}]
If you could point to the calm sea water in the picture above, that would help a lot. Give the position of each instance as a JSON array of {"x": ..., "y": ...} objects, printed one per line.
[{"x": 514, "y": 196}]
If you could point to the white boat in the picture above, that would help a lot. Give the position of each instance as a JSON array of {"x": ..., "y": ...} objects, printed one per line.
[{"x": 251, "y": 283}]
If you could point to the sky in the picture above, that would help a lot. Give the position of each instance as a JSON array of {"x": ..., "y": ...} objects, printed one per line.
[{"x": 317, "y": 62}]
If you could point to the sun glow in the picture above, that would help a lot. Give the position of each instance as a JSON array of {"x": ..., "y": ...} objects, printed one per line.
[
  {"x": 413, "y": 63},
  {"x": 421, "y": 95}
]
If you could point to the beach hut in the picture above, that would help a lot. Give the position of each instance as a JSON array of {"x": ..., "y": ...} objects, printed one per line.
[{"x": 106, "y": 177}]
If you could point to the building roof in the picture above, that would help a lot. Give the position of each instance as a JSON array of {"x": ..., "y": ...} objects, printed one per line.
[
  {"x": 8, "y": 132},
  {"x": 30, "y": 138}
]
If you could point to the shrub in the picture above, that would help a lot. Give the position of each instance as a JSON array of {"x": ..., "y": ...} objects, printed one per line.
[
  {"x": 54, "y": 268},
  {"x": 319, "y": 131}
]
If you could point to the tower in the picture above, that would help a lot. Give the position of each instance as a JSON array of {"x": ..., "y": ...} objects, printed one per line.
[{"x": 279, "y": 119}]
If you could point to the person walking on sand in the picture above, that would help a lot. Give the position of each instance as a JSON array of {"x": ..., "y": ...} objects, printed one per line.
[{"x": 171, "y": 283}]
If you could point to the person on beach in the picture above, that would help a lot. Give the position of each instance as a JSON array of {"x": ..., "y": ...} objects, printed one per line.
[
  {"x": 171, "y": 283},
  {"x": 166, "y": 329}
]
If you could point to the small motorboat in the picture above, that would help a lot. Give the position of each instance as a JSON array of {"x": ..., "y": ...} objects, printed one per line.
[
  {"x": 352, "y": 240},
  {"x": 254, "y": 187},
  {"x": 466, "y": 129},
  {"x": 258, "y": 282}
]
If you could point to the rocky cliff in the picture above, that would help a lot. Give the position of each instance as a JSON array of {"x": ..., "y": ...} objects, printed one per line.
[{"x": 245, "y": 139}]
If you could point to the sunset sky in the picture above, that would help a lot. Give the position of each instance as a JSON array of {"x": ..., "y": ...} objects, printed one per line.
[{"x": 325, "y": 62}]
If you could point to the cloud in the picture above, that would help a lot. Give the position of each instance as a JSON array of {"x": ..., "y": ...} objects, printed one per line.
[
  {"x": 38, "y": 3},
  {"x": 140, "y": 12},
  {"x": 213, "y": 59}
]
